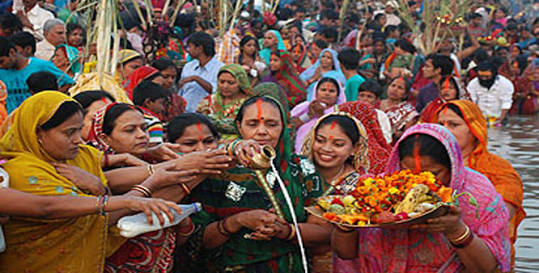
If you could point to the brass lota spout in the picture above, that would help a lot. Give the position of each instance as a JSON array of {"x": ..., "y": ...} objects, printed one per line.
[{"x": 259, "y": 163}]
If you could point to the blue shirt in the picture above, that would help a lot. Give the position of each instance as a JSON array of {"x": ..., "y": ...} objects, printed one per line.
[
  {"x": 351, "y": 89},
  {"x": 15, "y": 80},
  {"x": 192, "y": 92}
]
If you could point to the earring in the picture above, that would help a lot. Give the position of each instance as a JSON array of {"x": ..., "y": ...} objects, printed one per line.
[{"x": 40, "y": 142}]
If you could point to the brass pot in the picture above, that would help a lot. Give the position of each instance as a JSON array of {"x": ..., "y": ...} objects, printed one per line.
[{"x": 262, "y": 160}]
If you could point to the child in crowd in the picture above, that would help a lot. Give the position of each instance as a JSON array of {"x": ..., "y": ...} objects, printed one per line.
[
  {"x": 369, "y": 92},
  {"x": 152, "y": 99}
]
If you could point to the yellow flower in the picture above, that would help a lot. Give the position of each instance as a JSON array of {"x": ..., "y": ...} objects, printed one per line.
[
  {"x": 368, "y": 181},
  {"x": 394, "y": 190}
]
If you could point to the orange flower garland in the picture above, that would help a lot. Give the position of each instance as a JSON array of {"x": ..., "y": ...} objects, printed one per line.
[{"x": 380, "y": 194}]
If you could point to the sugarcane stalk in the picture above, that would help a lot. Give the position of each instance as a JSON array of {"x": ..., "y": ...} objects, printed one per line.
[
  {"x": 165, "y": 8},
  {"x": 139, "y": 13},
  {"x": 342, "y": 13},
  {"x": 175, "y": 13},
  {"x": 235, "y": 14}
]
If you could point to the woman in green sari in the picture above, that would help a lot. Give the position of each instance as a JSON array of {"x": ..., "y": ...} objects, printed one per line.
[
  {"x": 233, "y": 88},
  {"x": 238, "y": 219}
]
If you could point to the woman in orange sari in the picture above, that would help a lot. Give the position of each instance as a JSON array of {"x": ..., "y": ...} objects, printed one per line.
[{"x": 465, "y": 121}]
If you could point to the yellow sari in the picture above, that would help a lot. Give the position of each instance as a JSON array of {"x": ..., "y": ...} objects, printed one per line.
[{"x": 37, "y": 245}]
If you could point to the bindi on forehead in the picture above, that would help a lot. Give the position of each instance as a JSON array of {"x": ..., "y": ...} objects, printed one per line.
[
  {"x": 199, "y": 128},
  {"x": 259, "y": 110}
]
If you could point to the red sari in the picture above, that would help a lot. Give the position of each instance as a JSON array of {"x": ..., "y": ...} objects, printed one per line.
[{"x": 378, "y": 148}]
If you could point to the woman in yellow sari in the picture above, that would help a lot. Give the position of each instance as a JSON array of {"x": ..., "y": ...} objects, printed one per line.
[{"x": 42, "y": 144}]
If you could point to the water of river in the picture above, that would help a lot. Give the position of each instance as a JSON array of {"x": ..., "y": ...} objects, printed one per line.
[{"x": 519, "y": 143}]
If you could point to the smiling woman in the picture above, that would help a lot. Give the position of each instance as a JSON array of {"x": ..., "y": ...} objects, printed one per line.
[{"x": 236, "y": 221}]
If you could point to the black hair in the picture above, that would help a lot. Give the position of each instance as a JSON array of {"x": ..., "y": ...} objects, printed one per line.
[
  {"x": 10, "y": 21},
  {"x": 480, "y": 55},
  {"x": 320, "y": 44},
  {"x": 453, "y": 81},
  {"x": 428, "y": 146},
  {"x": 86, "y": 98},
  {"x": 405, "y": 45},
  {"x": 163, "y": 63},
  {"x": 284, "y": 14},
  {"x": 349, "y": 58},
  {"x": 253, "y": 100},
  {"x": 24, "y": 39},
  {"x": 72, "y": 27},
  {"x": 475, "y": 15},
  {"x": 148, "y": 90},
  {"x": 329, "y": 79},
  {"x": 5, "y": 46},
  {"x": 487, "y": 66},
  {"x": 205, "y": 40},
  {"x": 443, "y": 62},
  {"x": 329, "y": 33},
  {"x": 113, "y": 113},
  {"x": 331, "y": 14},
  {"x": 371, "y": 86},
  {"x": 41, "y": 81},
  {"x": 176, "y": 127},
  {"x": 64, "y": 112},
  {"x": 244, "y": 41},
  {"x": 347, "y": 125},
  {"x": 455, "y": 109},
  {"x": 378, "y": 16},
  {"x": 390, "y": 29}
]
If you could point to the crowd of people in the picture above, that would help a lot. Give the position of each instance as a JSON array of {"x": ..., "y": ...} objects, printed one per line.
[{"x": 339, "y": 92}]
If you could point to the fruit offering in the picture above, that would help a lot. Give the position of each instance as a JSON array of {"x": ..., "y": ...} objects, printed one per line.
[{"x": 393, "y": 198}]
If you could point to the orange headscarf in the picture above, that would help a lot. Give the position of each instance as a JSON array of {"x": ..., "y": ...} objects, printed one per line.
[{"x": 498, "y": 170}]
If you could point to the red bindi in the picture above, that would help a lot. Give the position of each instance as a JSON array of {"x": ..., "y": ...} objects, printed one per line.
[
  {"x": 199, "y": 127},
  {"x": 259, "y": 108},
  {"x": 333, "y": 125},
  {"x": 417, "y": 158}
]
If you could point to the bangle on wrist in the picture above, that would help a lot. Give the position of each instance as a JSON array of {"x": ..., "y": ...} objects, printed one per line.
[
  {"x": 466, "y": 242},
  {"x": 185, "y": 188},
  {"x": 221, "y": 228},
  {"x": 146, "y": 192},
  {"x": 103, "y": 199},
  {"x": 462, "y": 236},
  {"x": 292, "y": 234}
]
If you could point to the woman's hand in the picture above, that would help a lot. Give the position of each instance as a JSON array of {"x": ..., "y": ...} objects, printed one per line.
[
  {"x": 148, "y": 205},
  {"x": 81, "y": 178},
  {"x": 264, "y": 224},
  {"x": 165, "y": 151},
  {"x": 450, "y": 224},
  {"x": 316, "y": 109},
  {"x": 125, "y": 160},
  {"x": 206, "y": 162},
  {"x": 167, "y": 175},
  {"x": 245, "y": 150}
]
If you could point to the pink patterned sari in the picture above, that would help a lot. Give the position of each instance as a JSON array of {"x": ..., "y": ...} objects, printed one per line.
[{"x": 386, "y": 250}]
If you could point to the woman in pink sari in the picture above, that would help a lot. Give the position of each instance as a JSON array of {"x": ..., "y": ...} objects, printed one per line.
[
  {"x": 464, "y": 239},
  {"x": 327, "y": 95}
]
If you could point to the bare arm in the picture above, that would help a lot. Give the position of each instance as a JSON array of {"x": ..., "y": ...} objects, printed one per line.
[{"x": 345, "y": 243}]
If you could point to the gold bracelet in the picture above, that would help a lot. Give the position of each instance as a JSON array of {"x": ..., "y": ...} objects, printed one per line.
[
  {"x": 185, "y": 188},
  {"x": 292, "y": 232},
  {"x": 143, "y": 189},
  {"x": 462, "y": 237}
]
